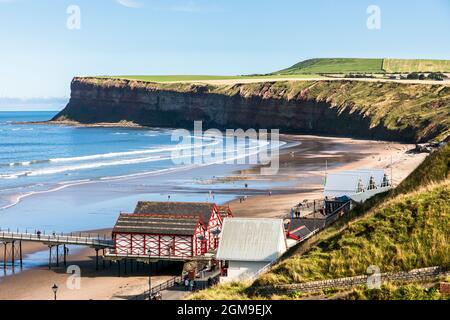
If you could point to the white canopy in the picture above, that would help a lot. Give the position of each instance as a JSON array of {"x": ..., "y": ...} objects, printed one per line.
[{"x": 347, "y": 183}]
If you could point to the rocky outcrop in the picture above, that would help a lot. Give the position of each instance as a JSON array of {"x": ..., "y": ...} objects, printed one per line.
[{"x": 342, "y": 108}]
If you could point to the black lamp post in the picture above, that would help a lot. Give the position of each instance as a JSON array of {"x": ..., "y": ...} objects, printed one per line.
[{"x": 55, "y": 289}]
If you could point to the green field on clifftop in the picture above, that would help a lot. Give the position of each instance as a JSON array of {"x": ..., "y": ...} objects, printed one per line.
[
  {"x": 313, "y": 68},
  {"x": 335, "y": 65},
  {"x": 357, "y": 65},
  {"x": 404, "y": 66},
  {"x": 193, "y": 78}
]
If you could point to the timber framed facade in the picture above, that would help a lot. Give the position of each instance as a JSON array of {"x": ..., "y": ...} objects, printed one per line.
[{"x": 169, "y": 230}]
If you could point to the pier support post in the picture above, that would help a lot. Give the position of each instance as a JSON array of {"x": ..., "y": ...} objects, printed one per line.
[
  {"x": 96, "y": 259},
  {"x": 49, "y": 257},
  {"x": 118, "y": 266},
  {"x": 57, "y": 255},
  {"x": 125, "y": 266},
  {"x": 20, "y": 254},
  {"x": 65, "y": 255},
  {"x": 13, "y": 255},
  {"x": 4, "y": 255},
  {"x": 103, "y": 259}
]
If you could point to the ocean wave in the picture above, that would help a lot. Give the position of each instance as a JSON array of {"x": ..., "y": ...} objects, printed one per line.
[
  {"x": 110, "y": 155},
  {"x": 242, "y": 150}
]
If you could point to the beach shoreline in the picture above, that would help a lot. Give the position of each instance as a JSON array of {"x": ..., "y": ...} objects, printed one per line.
[{"x": 304, "y": 165}]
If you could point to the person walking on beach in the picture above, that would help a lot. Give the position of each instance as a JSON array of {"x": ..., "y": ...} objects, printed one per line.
[{"x": 39, "y": 234}]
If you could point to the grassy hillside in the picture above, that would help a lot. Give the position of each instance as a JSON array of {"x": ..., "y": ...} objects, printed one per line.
[
  {"x": 335, "y": 65},
  {"x": 352, "y": 65},
  {"x": 408, "y": 232},
  {"x": 406, "y": 66},
  {"x": 436, "y": 167},
  {"x": 405, "y": 232}
]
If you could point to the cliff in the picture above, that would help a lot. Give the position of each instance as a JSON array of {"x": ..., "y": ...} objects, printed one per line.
[{"x": 371, "y": 110}]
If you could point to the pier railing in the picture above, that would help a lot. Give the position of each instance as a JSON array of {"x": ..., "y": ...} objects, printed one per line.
[{"x": 57, "y": 239}]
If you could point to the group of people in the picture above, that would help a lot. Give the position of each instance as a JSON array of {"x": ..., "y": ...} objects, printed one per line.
[
  {"x": 295, "y": 212},
  {"x": 189, "y": 284},
  {"x": 192, "y": 285}
]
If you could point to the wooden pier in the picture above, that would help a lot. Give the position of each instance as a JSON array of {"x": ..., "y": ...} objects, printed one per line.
[{"x": 12, "y": 245}]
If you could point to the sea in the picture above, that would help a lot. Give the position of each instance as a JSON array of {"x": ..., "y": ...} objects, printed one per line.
[{"x": 63, "y": 178}]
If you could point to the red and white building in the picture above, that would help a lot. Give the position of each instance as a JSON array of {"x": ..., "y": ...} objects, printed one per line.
[{"x": 170, "y": 230}]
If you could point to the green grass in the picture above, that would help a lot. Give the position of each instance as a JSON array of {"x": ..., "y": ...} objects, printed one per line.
[
  {"x": 391, "y": 291},
  {"x": 406, "y": 66},
  {"x": 178, "y": 78},
  {"x": 406, "y": 233},
  {"x": 335, "y": 65},
  {"x": 312, "y": 68},
  {"x": 433, "y": 169},
  {"x": 356, "y": 65}
]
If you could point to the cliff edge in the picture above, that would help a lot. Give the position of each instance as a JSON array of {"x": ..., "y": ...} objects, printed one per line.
[{"x": 369, "y": 110}]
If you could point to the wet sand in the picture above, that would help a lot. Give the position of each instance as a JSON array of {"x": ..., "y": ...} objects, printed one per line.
[{"x": 302, "y": 165}]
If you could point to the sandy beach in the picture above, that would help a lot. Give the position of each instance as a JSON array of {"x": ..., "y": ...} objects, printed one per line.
[{"x": 303, "y": 166}]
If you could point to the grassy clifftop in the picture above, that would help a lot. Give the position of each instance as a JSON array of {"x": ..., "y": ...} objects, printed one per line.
[
  {"x": 358, "y": 65},
  {"x": 405, "y": 232},
  {"x": 335, "y": 65}
]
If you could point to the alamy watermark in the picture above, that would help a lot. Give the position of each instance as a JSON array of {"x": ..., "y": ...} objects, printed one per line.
[
  {"x": 374, "y": 278},
  {"x": 234, "y": 146},
  {"x": 73, "y": 281},
  {"x": 374, "y": 19},
  {"x": 74, "y": 19}
]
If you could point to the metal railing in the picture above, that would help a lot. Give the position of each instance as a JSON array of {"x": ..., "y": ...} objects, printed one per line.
[
  {"x": 54, "y": 238},
  {"x": 160, "y": 287}
]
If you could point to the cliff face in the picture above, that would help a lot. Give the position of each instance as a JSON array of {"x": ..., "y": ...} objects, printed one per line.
[{"x": 345, "y": 108}]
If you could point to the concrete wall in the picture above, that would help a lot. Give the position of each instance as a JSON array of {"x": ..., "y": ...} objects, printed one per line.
[{"x": 317, "y": 286}]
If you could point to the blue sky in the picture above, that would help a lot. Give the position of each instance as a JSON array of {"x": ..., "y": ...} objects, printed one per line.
[{"x": 39, "y": 55}]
